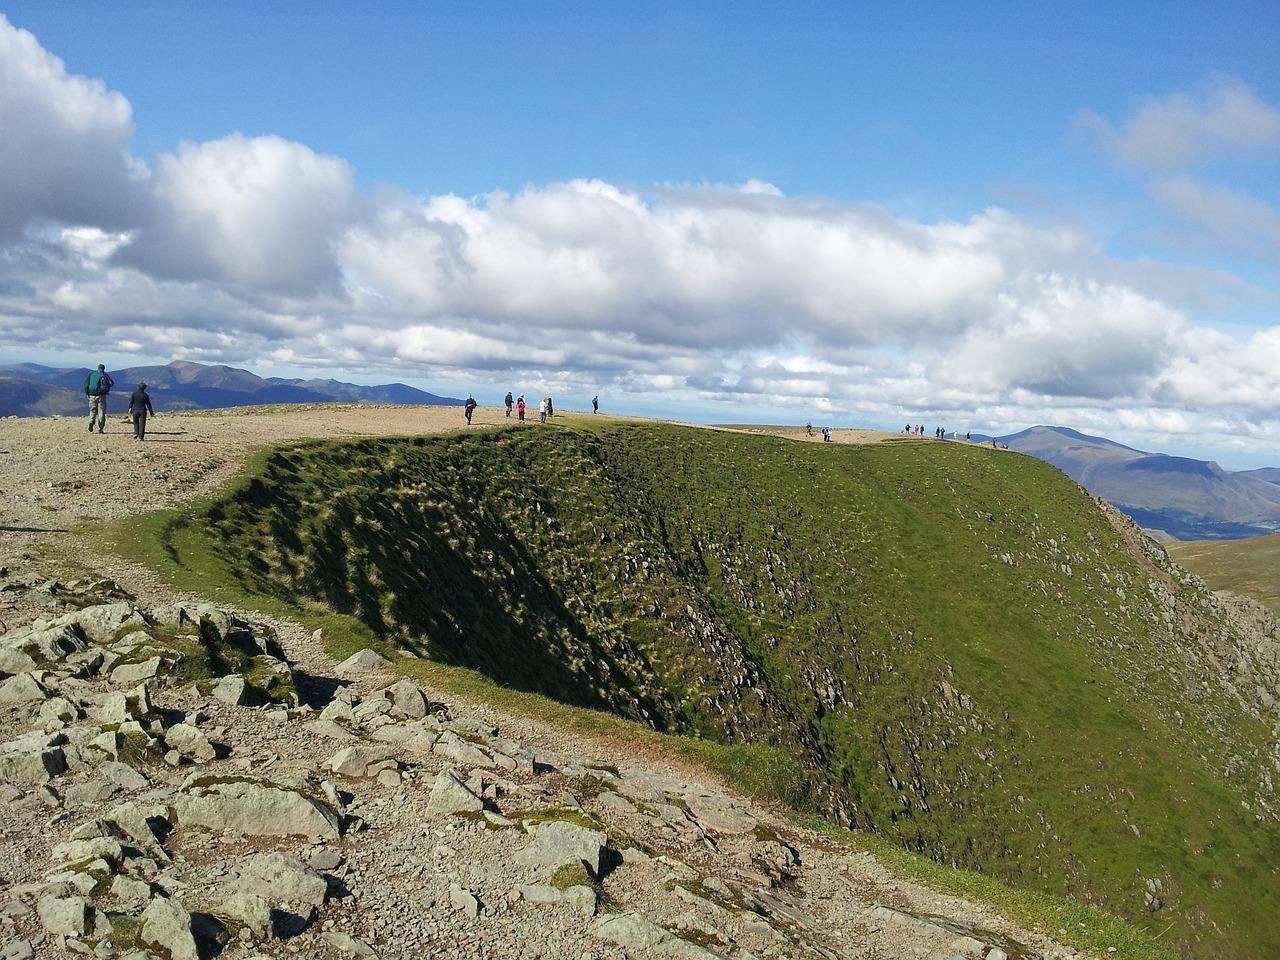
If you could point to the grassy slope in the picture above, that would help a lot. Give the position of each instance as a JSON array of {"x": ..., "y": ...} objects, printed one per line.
[
  {"x": 899, "y": 619},
  {"x": 1247, "y": 567}
]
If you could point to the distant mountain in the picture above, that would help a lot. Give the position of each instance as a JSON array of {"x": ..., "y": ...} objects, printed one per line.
[
  {"x": 1269, "y": 474},
  {"x": 33, "y": 390},
  {"x": 1184, "y": 498}
]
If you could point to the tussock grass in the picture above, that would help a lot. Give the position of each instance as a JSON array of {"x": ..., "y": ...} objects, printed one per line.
[{"x": 947, "y": 647}]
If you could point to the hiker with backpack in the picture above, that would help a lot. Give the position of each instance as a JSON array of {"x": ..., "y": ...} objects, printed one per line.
[
  {"x": 97, "y": 385},
  {"x": 139, "y": 408},
  {"x": 520, "y": 408},
  {"x": 469, "y": 408},
  {"x": 509, "y": 402},
  {"x": 543, "y": 404},
  {"x": 595, "y": 403}
]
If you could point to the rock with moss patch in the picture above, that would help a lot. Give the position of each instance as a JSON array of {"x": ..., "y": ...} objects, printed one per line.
[
  {"x": 449, "y": 795},
  {"x": 256, "y": 807},
  {"x": 101, "y": 622},
  {"x": 634, "y": 932},
  {"x": 559, "y": 842},
  {"x": 248, "y": 911},
  {"x": 166, "y": 925}
]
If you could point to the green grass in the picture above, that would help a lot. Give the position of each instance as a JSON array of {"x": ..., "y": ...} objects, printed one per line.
[
  {"x": 1250, "y": 567},
  {"x": 922, "y": 640}
]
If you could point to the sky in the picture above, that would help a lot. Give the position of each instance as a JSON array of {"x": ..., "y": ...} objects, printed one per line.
[{"x": 851, "y": 214}]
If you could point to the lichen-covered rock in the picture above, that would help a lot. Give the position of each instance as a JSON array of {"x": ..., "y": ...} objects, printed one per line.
[
  {"x": 166, "y": 925},
  {"x": 361, "y": 760},
  {"x": 24, "y": 688},
  {"x": 190, "y": 742},
  {"x": 560, "y": 842},
  {"x": 63, "y": 916},
  {"x": 282, "y": 878},
  {"x": 449, "y": 795},
  {"x": 246, "y": 910},
  {"x": 256, "y": 807}
]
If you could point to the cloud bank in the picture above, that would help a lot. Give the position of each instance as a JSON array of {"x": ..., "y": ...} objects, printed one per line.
[{"x": 259, "y": 250}]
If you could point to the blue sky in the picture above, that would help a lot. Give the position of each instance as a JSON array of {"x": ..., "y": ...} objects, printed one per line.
[{"x": 970, "y": 185}]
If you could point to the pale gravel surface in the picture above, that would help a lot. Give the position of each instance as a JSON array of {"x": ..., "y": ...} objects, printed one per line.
[{"x": 54, "y": 476}]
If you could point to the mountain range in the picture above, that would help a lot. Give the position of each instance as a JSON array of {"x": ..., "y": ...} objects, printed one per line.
[
  {"x": 34, "y": 390},
  {"x": 1182, "y": 498}
]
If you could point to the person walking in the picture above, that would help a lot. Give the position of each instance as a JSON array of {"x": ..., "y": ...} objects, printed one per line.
[
  {"x": 542, "y": 409},
  {"x": 97, "y": 385},
  {"x": 520, "y": 408},
  {"x": 826, "y": 434},
  {"x": 469, "y": 408},
  {"x": 509, "y": 401},
  {"x": 550, "y": 410},
  {"x": 139, "y": 408},
  {"x": 808, "y": 428},
  {"x": 595, "y": 403}
]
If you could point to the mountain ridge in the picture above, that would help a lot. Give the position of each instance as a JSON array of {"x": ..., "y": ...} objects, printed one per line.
[
  {"x": 30, "y": 389},
  {"x": 1185, "y": 498}
]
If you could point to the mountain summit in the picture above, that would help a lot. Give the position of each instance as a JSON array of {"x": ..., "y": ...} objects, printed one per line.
[{"x": 1185, "y": 499}]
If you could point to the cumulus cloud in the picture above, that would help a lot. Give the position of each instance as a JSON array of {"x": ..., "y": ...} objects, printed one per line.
[
  {"x": 258, "y": 250},
  {"x": 1222, "y": 119},
  {"x": 64, "y": 143},
  {"x": 260, "y": 212}
]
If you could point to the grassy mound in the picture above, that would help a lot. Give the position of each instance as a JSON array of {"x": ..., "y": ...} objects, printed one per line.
[{"x": 944, "y": 645}]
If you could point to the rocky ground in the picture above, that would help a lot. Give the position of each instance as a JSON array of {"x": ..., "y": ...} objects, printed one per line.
[{"x": 178, "y": 780}]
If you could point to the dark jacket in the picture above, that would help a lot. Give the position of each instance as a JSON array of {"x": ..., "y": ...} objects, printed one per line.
[
  {"x": 101, "y": 384},
  {"x": 140, "y": 403}
]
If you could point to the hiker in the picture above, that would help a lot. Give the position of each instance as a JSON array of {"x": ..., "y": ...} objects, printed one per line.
[
  {"x": 520, "y": 408},
  {"x": 510, "y": 401},
  {"x": 595, "y": 403},
  {"x": 808, "y": 429},
  {"x": 139, "y": 408},
  {"x": 96, "y": 387},
  {"x": 993, "y": 443},
  {"x": 543, "y": 405},
  {"x": 550, "y": 411},
  {"x": 826, "y": 434},
  {"x": 469, "y": 408},
  {"x": 968, "y": 436}
]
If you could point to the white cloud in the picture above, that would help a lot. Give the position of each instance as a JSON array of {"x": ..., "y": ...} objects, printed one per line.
[
  {"x": 64, "y": 143},
  {"x": 260, "y": 212},
  {"x": 260, "y": 250},
  {"x": 1227, "y": 219},
  {"x": 1222, "y": 119}
]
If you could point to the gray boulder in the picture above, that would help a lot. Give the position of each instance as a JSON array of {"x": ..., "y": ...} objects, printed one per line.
[
  {"x": 407, "y": 699},
  {"x": 166, "y": 925},
  {"x": 24, "y": 688},
  {"x": 634, "y": 932},
  {"x": 362, "y": 661},
  {"x": 246, "y": 910},
  {"x": 279, "y": 877},
  {"x": 558, "y": 842},
  {"x": 63, "y": 916},
  {"x": 190, "y": 742},
  {"x": 136, "y": 672},
  {"x": 449, "y": 795},
  {"x": 361, "y": 760},
  {"x": 233, "y": 690},
  {"x": 255, "y": 807}
]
